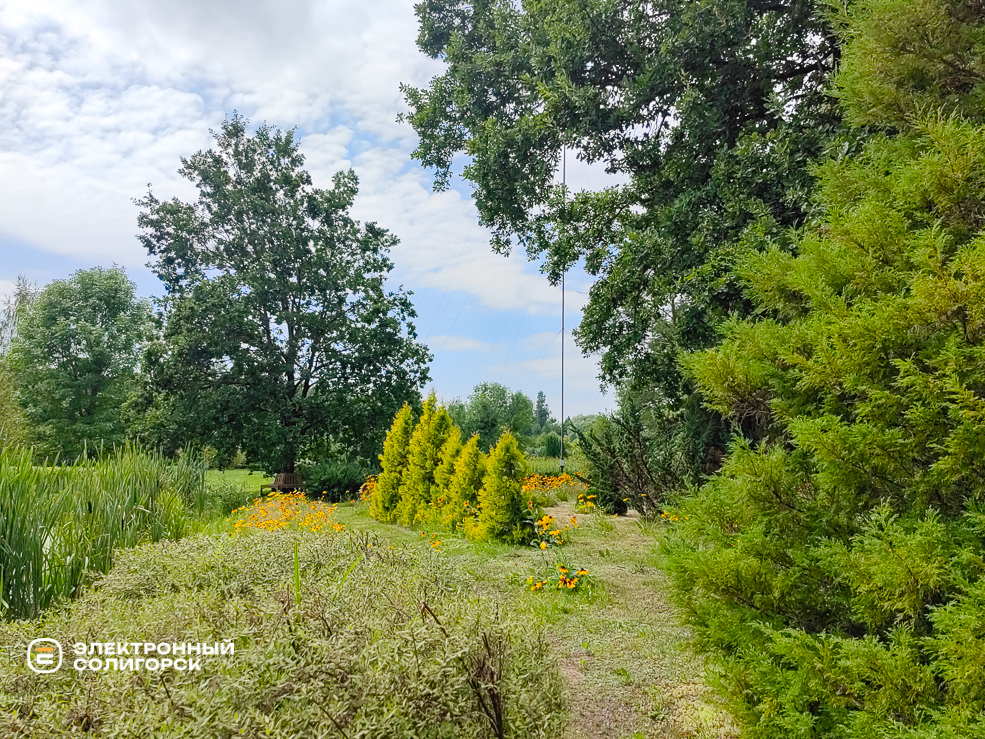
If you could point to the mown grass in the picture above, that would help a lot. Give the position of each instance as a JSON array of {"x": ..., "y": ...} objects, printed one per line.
[
  {"x": 381, "y": 641},
  {"x": 628, "y": 670}
]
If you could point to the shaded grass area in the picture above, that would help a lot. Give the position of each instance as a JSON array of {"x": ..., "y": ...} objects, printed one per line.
[
  {"x": 628, "y": 671},
  {"x": 379, "y": 641}
]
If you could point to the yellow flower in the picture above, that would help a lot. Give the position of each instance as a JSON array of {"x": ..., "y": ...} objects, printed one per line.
[{"x": 543, "y": 545}]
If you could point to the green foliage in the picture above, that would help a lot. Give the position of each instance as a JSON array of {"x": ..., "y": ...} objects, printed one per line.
[
  {"x": 552, "y": 445},
  {"x": 503, "y": 511},
  {"x": 445, "y": 471},
  {"x": 225, "y": 496},
  {"x": 465, "y": 484},
  {"x": 648, "y": 450},
  {"x": 74, "y": 360},
  {"x": 61, "y": 523},
  {"x": 912, "y": 58},
  {"x": 443, "y": 483},
  {"x": 282, "y": 337},
  {"x": 14, "y": 430},
  {"x": 710, "y": 111},
  {"x": 417, "y": 486},
  {"x": 429, "y": 663},
  {"x": 491, "y": 410},
  {"x": 386, "y": 494},
  {"x": 835, "y": 566},
  {"x": 336, "y": 479},
  {"x": 543, "y": 420}
]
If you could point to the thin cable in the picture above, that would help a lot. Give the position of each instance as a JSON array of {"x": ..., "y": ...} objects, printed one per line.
[
  {"x": 526, "y": 309},
  {"x": 564, "y": 193},
  {"x": 535, "y": 365},
  {"x": 493, "y": 345}
]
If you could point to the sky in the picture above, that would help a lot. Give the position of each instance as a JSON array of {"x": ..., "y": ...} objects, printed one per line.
[{"x": 99, "y": 99}]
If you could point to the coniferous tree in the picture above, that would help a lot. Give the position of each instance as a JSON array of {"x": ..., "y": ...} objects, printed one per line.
[
  {"x": 465, "y": 483},
  {"x": 503, "y": 512},
  {"x": 386, "y": 493},
  {"x": 836, "y": 566},
  {"x": 446, "y": 466},
  {"x": 423, "y": 457}
]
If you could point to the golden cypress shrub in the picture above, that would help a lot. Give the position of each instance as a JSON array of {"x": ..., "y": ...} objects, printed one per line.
[
  {"x": 446, "y": 467},
  {"x": 423, "y": 457},
  {"x": 503, "y": 513},
  {"x": 386, "y": 495},
  {"x": 464, "y": 485}
]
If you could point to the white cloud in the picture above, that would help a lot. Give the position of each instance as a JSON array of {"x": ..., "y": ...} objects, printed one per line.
[
  {"x": 440, "y": 344},
  {"x": 98, "y": 98},
  {"x": 6, "y": 291}
]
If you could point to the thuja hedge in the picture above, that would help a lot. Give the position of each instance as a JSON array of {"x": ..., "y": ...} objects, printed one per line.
[
  {"x": 835, "y": 568},
  {"x": 430, "y": 478}
]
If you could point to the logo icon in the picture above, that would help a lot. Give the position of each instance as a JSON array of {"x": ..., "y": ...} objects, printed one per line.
[{"x": 44, "y": 655}]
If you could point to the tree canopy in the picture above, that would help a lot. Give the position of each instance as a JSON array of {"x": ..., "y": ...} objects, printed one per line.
[
  {"x": 74, "y": 360},
  {"x": 711, "y": 109},
  {"x": 282, "y": 336},
  {"x": 492, "y": 409}
]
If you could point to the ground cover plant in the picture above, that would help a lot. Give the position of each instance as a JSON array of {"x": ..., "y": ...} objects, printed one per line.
[
  {"x": 627, "y": 667},
  {"x": 379, "y": 641}
]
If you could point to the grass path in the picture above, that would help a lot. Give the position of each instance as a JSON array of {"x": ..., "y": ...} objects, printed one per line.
[{"x": 621, "y": 651}]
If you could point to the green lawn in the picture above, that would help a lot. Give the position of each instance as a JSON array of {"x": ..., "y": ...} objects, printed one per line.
[{"x": 244, "y": 478}]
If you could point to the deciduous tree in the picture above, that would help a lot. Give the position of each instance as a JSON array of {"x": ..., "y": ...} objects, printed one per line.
[
  {"x": 282, "y": 336},
  {"x": 74, "y": 360}
]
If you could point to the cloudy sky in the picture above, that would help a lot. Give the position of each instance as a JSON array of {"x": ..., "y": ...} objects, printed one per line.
[{"x": 99, "y": 98}]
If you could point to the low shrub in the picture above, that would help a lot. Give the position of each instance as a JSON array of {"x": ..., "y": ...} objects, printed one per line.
[
  {"x": 224, "y": 496},
  {"x": 336, "y": 480},
  {"x": 377, "y": 643}
]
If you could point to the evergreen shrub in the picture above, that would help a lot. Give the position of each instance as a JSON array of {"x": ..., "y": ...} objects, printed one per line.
[
  {"x": 835, "y": 568},
  {"x": 393, "y": 460}
]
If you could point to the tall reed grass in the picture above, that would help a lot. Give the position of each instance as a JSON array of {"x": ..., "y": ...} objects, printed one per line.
[
  {"x": 552, "y": 465},
  {"x": 57, "y": 524}
]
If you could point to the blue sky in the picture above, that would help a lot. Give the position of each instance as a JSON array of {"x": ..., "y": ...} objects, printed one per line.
[{"x": 99, "y": 98}]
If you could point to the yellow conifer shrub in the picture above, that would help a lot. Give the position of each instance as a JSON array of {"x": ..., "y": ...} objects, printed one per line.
[
  {"x": 423, "y": 457},
  {"x": 463, "y": 488},
  {"x": 446, "y": 467},
  {"x": 386, "y": 493},
  {"x": 503, "y": 512}
]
